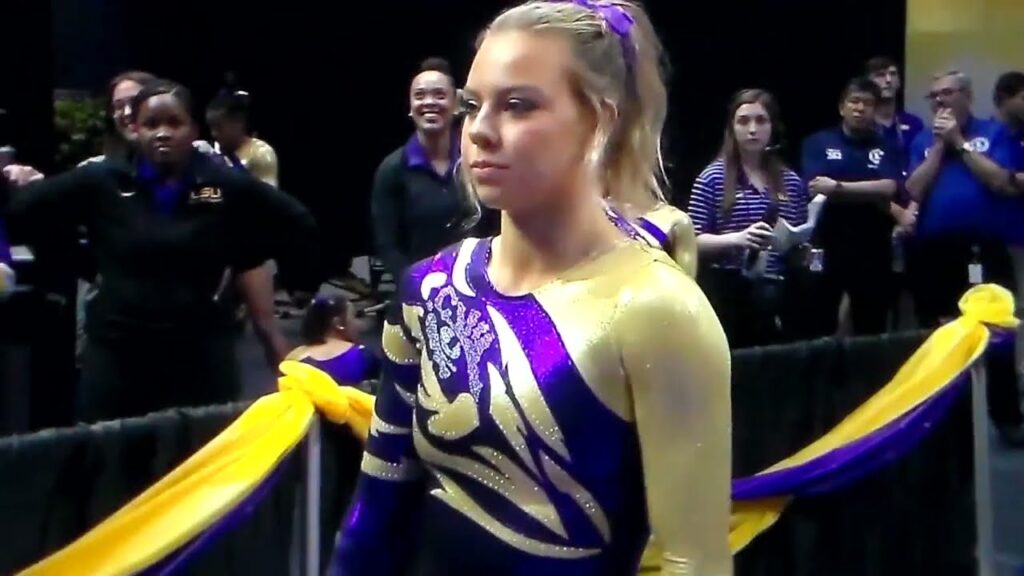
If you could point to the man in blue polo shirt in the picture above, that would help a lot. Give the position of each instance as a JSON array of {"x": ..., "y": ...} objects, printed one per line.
[
  {"x": 961, "y": 236},
  {"x": 958, "y": 207},
  {"x": 898, "y": 126},
  {"x": 854, "y": 166}
]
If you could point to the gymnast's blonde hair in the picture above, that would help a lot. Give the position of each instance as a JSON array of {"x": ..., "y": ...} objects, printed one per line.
[{"x": 625, "y": 75}]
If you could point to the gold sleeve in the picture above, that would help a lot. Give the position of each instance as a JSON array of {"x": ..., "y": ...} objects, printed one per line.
[
  {"x": 684, "y": 244},
  {"x": 397, "y": 346},
  {"x": 263, "y": 165},
  {"x": 677, "y": 362}
]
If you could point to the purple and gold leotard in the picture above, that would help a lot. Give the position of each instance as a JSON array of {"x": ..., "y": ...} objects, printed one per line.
[
  {"x": 665, "y": 227},
  {"x": 546, "y": 433}
]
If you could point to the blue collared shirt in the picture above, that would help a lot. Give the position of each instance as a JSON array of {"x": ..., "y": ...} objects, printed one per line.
[
  {"x": 901, "y": 134},
  {"x": 847, "y": 222},
  {"x": 416, "y": 156},
  {"x": 167, "y": 196},
  {"x": 1009, "y": 220},
  {"x": 958, "y": 203}
]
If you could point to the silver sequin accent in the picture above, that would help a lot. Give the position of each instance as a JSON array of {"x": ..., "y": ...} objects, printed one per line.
[{"x": 454, "y": 332}]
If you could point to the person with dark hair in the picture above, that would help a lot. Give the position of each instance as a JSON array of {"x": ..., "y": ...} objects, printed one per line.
[
  {"x": 329, "y": 333},
  {"x": 898, "y": 125},
  {"x": 437, "y": 64},
  {"x": 854, "y": 167},
  {"x": 418, "y": 203},
  {"x": 118, "y": 146},
  {"x": 900, "y": 128},
  {"x": 122, "y": 89},
  {"x": 168, "y": 231},
  {"x": 228, "y": 118},
  {"x": 227, "y": 115},
  {"x": 733, "y": 204},
  {"x": 1008, "y": 96}
]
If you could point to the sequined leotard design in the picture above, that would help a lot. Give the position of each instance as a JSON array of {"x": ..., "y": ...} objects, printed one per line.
[
  {"x": 665, "y": 227},
  {"x": 546, "y": 433}
]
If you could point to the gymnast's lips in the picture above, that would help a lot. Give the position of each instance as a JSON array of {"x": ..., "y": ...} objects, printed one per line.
[
  {"x": 485, "y": 171},
  {"x": 487, "y": 165}
]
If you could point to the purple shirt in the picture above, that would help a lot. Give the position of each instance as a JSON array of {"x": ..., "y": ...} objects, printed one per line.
[
  {"x": 416, "y": 156},
  {"x": 167, "y": 196},
  {"x": 5, "y": 246},
  {"x": 749, "y": 208},
  {"x": 355, "y": 365}
]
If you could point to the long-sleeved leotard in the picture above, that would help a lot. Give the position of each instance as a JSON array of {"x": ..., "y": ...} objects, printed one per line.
[
  {"x": 547, "y": 433},
  {"x": 665, "y": 227}
]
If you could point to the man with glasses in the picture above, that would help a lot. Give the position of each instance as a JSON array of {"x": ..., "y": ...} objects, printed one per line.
[{"x": 958, "y": 242}]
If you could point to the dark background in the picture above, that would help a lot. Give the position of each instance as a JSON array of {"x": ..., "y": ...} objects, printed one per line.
[{"x": 321, "y": 83}]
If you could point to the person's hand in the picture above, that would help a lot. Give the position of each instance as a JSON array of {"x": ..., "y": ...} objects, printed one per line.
[
  {"x": 906, "y": 220},
  {"x": 946, "y": 128},
  {"x": 822, "y": 185},
  {"x": 759, "y": 236},
  {"x": 20, "y": 175}
]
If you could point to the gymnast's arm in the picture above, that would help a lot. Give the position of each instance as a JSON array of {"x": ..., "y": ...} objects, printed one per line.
[
  {"x": 263, "y": 165},
  {"x": 377, "y": 536},
  {"x": 677, "y": 362}
]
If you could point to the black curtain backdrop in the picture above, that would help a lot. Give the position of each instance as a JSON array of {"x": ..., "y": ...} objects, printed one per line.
[
  {"x": 36, "y": 357},
  {"x": 330, "y": 92},
  {"x": 913, "y": 517}
]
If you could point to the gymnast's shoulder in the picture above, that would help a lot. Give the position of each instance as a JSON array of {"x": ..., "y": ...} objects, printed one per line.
[{"x": 656, "y": 289}]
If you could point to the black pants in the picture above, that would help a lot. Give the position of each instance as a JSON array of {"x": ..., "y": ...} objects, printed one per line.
[
  {"x": 750, "y": 310},
  {"x": 866, "y": 278},
  {"x": 131, "y": 377},
  {"x": 938, "y": 270}
]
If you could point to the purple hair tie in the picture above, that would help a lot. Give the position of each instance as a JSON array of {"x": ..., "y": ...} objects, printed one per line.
[{"x": 619, "y": 21}]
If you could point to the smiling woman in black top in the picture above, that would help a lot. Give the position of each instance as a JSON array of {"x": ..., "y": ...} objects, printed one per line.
[
  {"x": 168, "y": 231},
  {"x": 418, "y": 202}
]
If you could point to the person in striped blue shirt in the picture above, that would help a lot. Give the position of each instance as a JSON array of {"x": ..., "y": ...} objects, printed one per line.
[{"x": 732, "y": 205}]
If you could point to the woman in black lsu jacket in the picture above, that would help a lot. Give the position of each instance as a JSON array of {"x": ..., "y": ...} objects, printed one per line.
[{"x": 169, "y": 229}]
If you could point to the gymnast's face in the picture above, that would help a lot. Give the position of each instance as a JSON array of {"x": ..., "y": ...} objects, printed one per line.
[{"x": 525, "y": 134}]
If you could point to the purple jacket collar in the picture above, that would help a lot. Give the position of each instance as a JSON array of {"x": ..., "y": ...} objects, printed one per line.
[{"x": 416, "y": 154}]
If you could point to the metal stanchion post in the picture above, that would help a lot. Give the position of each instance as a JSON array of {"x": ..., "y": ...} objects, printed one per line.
[
  {"x": 312, "y": 491},
  {"x": 982, "y": 471}
]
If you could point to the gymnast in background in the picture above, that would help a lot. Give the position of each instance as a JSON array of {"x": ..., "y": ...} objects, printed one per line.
[
  {"x": 662, "y": 226},
  {"x": 329, "y": 332},
  {"x": 228, "y": 118}
]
